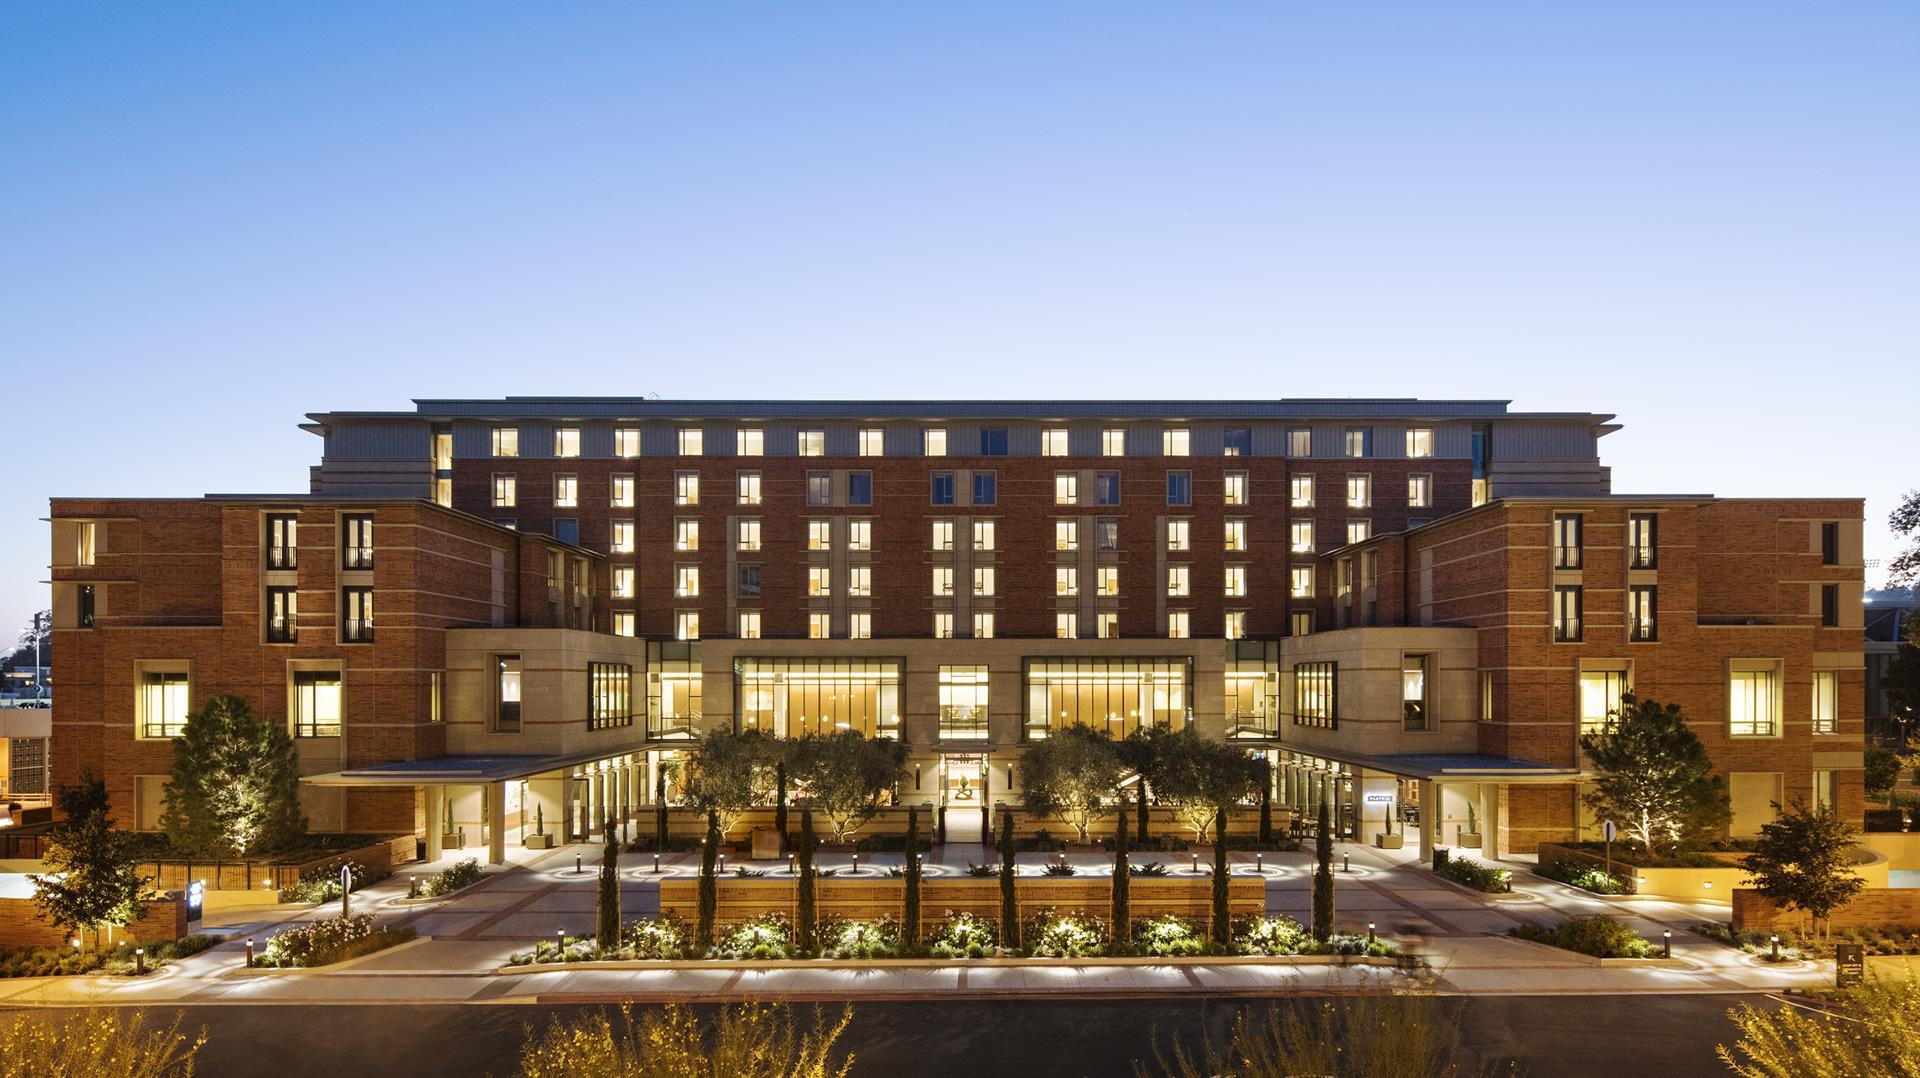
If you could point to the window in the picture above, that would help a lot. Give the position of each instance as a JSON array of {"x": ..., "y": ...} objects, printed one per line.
[
  {"x": 749, "y": 625},
  {"x": 566, "y": 441},
  {"x": 1301, "y": 492},
  {"x": 943, "y": 625},
  {"x": 566, "y": 491},
  {"x": 316, "y": 704},
  {"x": 983, "y": 534},
  {"x": 506, "y": 441},
  {"x": 1300, "y": 536},
  {"x": 1066, "y": 625},
  {"x": 1486, "y": 696},
  {"x": 819, "y": 580},
  {"x": 84, "y": 606},
  {"x": 283, "y": 615},
  {"x": 1113, "y": 695},
  {"x": 747, "y": 488},
  {"x": 623, "y": 623},
  {"x": 1109, "y": 625},
  {"x": 1299, "y": 442},
  {"x": 1236, "y": 625},
  {"x": 1066, "y": 580},
  {"x": 356, "y": 541},
  {"x": 1234, "y": 489},
  {"x": 819, "y": 534},
  {"x": 436, "y": 697},
  {"x": 1066, "y": 535},
  {"x": 1753, "y": 698},
  {"x": 626, "y": 442},
  {"x": 357, "y": 607},
  {"x": 1300, "y": 582},
  {"x": 1300, "y": 623},
  {"x": 943, "y": 535},
  {"x": 943, "y": 580},
  {"x": 936, "y": 441},
  {"x": 1053, "y": 442},
  {"x": 749, "y": 534},
  {"x": 1315, "y": 686},
  {"x": 686, "y": 581},
  {"x": 1359, "y": 441},
  {"x": 283, "y": 541},
  {"x": 1107, "y": 580},
  {"x": 1179, "y": 625},
  {"x": 686, "y": 488},
  {"x": 1235, "y": 535},
  {"x": 1106, "y": 534},
  {"x": 811, "y": 443},
  {"x": 983, "y": 625},
  {"x": 859, "y": 625},
  {"x": 1420, "y": 441},
  {"x": 801, "y": 697},
  {"x": 1343, "y": 577},
  {"x": 873, "y": 442},
  {"x": 1106, "y": 488},
  {"x": 163, "y": 703},
  {"x": 993, "y": 441},
  {"x": 1236, "y": 442},
  {"x": 623, "y": 582},
  {"x": 983, "y": 580},
  {"x": 1179, "y": 580},
  {"x": 749, "y": 442},
  {"x": 1829, "y": 605},
  {"x": 1601, "y": 690},
  {"x": 1413, "y": 692},
  {"x": 621, "y": 491},
  {"x": 819, "y": 626},
  {"x": 686, "y": 625},
  {"x": 1830, "y": 543},
  {"x": 1826, "y": 702},
  {"x": 860, "y": 581},
  {"x": 1066, "y": 488},
  {"x": 1359, "y": 491},
  {"x": 622, "y": 537},
  {"x": 1359, "y": 531},
  {"x": 609, "y": 695},
  {"x": 819, "y": 488},
  {"x": 984, "y": 488},
  {"x": 1174, "y": 442},
  {"x": 1236, "y": 582},
  {"x": 506, "y": 693},
  {"x": 673, "y": 699},
  {"x": 942, "y": 488},
  {"x": 1179, "y": 488},
  {"x": 1419, "y": 491},
  {"x": 1113, "y": 442},
  {"x": 747, "y": 582},
  {"x": 1567, "y": 611},
  {"x": 860, "y": 535},
  {"x": 1179, "y": 532},
  {"x": 1643, "y": 613},
  {"x": 859, "y": 488},
  {"x": 1566, "y": 540},
  {"x": 1643, "y": 544}
]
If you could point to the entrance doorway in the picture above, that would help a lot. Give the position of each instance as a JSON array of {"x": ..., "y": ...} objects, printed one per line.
[{"x": 963, "y": 791}]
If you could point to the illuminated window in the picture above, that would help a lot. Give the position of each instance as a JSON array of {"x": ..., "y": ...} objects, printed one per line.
[
  {"x": 1359, "y": 441},
  {"x": 983, "y": 625},
  {"x": 1302, "y": 491},
  {"x": 873, "y": 442},
  {"x": 1179, "y": 625},
  {"x": 609, "y": 695},
  {"x": 162, "y": 704},
  {"x": 1236, "y": 583},
  {"x": 1113, "y": 442},
  {"x": 1420, "y": 442},
  {"x": 1300, "y": 536},
  {"x": 1178, "y": 534},
  {"x": 1419, "y": 491},
  {"x": 566, "y": 441},
  {"x": 1299, "y": 442},
  {"x": 1053, "y": 442},
  {"x": 1568, "y": 613},
  {"x": 686, "y": 625},
  {"x": 943, "y": 580},
  {"x": 936, "y": 441},
  {"x": 1566, "y": 540},
  {"x": 1300, "y": 581},
  {"x": 1066, "y": 488},
  {"x": 622, "y": 541},
  {"x": 1236, "y": 535},
  {"x": 1482, "y": 490},
  {"x": 1359, "y": 531},
  {"x": 1486, "y": 696},
  {"x": 983, "y": 534},
  {"x": 819, "y": 626},
  {"x": 1413, "y": 693},
  {"x": 1643, "y": 613},
  {"x": 1826, "y": 702},
  {"x": 686, "y": 535},
  {"x": 686, "y": 488},
  {"x": 566, "y": 491},
  {"x": 1316, "y": 688},
  {"x": 859, "y": 626},
  {"x": 943, "y": 625},
  {"x": 623, "y": 582},
  {"x": 811, "y": 443},
  {"x": 1109, "y": 625},
  {"x": 747, "y": 488},
  {"x": 626, "y": 442},
  {"x": 1359, "y": 491},
  {"x": 1066, "y": 625},
  {"x": 1643, "y": 549},
  {"x": 506, "y": 441},
  {"x": 819, "y": 534},
  {"x": 860, "y": 581},
  {"x": 503, "y": 491},
  {"x": 623, "y": 623},
  {"x": 691, "y": 441},
  {"x": 1300, "y": 622},
  {"x": 1066, "y": 580},
  {"x": 1174, "y": 442},
  {"x": 749, "y": 442},
  {"x": 1753, "y": 698},
  {"x": 797, "y": 697},
  {"x": 1236, "y": 625},
  {"x": 943, "y": 535},
  {"x": 622, "y": 492},
  {"x": 749, "y": 625},
  {"x": 963, "y": 702},
  {"x": 357, "y": 606},
  {"x": 1066, "y": 535},
  {"x": 1236, "y": 488},
  {"x": 673, "y": 698},
  {"x": 1107, "y": 579},
  {"x": 749, "y": 537},
  {"x": 283, "y": 614},
  {"x": 1179, "y": 580},
  {"x": 983, "y": 580},
  {"x": 860, "y": 535},
  {"x": 686, "y": 581},
  {"x": 1601, "y": 688},
  {"x": 819, "y": 580},
  {"x": 1114, "y": 695}
]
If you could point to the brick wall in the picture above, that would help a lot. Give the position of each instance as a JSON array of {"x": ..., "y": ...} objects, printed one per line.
[
  {"x": 22, "y": 925},
  {"x": 1875, "y": 907}
]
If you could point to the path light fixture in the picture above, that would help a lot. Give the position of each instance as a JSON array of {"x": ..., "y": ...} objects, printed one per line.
[
  {"x": 559, "y": 944},
  {"x": 249, "y": 954},
  {"x": 577, "y": 869},
  {"x": 656, "y": 864},
  {"x": 1775, "y": 941},
  {"x": 139, "y": 961},
  {"x": 793, "y": 865},
  {"x": 1259, "y": 867},
  {"x": 1370, "y": 933},
  {"x": 856, "y": 864},
  {"x": 1666, "y": 943},
  {"x": 721, "y": 870},
  {"x": 1196, "y": 864},
  {"x": 1346, "y": 862}
]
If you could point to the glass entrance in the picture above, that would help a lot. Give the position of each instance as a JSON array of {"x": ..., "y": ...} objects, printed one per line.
[{"x": 963, "y": 792}]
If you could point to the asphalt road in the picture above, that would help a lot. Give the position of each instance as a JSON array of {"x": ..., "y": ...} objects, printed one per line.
[{"x": 1643, "y": 1036}]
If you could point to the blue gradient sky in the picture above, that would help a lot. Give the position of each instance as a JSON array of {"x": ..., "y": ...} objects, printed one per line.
[{"x": 214, "y": 218}]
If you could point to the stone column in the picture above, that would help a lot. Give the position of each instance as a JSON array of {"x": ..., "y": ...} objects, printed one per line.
[
  {"x": 436, "y": 819},
  {"x": 1491, "y": 847},
  {"x": 496, "y": 823},
  {"x": 1429, "y": 818}
]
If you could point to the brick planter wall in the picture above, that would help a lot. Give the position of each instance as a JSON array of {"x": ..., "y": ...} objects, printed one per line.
[
  {"x": 381, "y": 856},
  {"x": 1875, "y": 907},
  {"x": 22, "y": 925}
]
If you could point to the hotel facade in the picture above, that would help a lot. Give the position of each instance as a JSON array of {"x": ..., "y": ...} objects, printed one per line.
[{"x": 485, "y": 613}]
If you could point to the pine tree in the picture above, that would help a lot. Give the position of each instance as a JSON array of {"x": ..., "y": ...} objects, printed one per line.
[
  {"x": 1009, "y": 896},
  {"x": 1222, "y": 928},
  {"x": 803, "y": 911},
  {"x": 1122, "y": 912},
  {"x": 910, "y": 909},
  {"x": 610, "y": 893},
  {"x": 235, "y": 788},
  {"x": 709, "y": 886},
  {"x": 1323, "y": 877}
]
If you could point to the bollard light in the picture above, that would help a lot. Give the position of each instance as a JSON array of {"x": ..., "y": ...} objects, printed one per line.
[
  {"x": 1775, "y": 941},
  {"x": 139, "y": 961},
  {"x": 656, "y": 863},
  {"x": 249, "y": 954},
  {"x": 856, "y": 864},
  {"x": 577, "y": 870},
  {"x": 1259, "y": 867},
  {"x": 723, "y": 864},
  {"x": 1666, "y": 943},
  {"x": 559, "y": 944},
  {"x": 1369, "y": 932},
  {"x": 1196, "y": 864},
  {"x": 1346, "y": 862},
  {"x": 793, "y": 865}
]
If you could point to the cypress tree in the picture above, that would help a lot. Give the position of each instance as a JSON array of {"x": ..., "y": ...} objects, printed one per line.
[
  {"x": 1009, "y": 897},
  {"x": 709, "y": 886},
  {"x": 803, "y": 915},
  {"x": 1140, "y": 814},
  {"x": 1323, "y": 877},
  {"x": 1122, "y": 913},
  {"x": 1265, "y": 772},
  {"x": 780, "y": 800},
  {"x": 660, "y": 812},
  {"x": 910, "y": 911},
  {"x": 1222, "y": 930},
  {"x": 610, "y": 893}
]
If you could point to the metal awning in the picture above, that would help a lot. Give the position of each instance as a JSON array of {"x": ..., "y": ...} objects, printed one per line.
[
  {"x": 1452, "y": 766},
  {"x": 453, "y": 770}
]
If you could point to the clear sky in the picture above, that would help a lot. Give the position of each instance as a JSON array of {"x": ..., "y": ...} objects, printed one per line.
[{"x": 214, "y": 218}]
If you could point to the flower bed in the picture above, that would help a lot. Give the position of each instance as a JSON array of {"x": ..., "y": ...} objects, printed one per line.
[
  {"x": 1470, "y": 873},
  {"x": 1903, "y": 940},
  {"x": 965, "y": 935},
  {"x": 450, "y": 879},
  {"x": 1585, "y": 877},
  {"x": 116, "y": 961},
  {"x": 860, "y": 939},
  {"x": 767, "y": 936},
  {"x": 323, "y": 884},
  {"x": 1055, "y": 934},
  {"x": 1599, "y": 936},
  {"x": 322, "y": 943}
]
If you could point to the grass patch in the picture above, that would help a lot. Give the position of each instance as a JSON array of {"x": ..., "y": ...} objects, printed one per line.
[{"x": 1599, "y": 936}]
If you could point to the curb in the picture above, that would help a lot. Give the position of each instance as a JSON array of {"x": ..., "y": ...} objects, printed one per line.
[{"x": 859, "y": 965}]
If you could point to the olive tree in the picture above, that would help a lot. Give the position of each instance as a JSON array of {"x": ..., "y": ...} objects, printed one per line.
[
  {"x": 844, "y": 775},
  {"x": 1071, "y": 774},
  {"x": 727, "y": 774},
  {"x": 1200, "y": 778}
]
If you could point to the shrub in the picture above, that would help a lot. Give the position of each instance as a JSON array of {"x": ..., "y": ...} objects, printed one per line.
[
  {"x": 1169, "y": 935},
  {"x": 1270, "y": 936},
  {"x": 1597, "y": 935},
  {"x": 452, "y": 878},
  {"x": 663, "y": 937},
  {"x": 769, "y": 936},
  {"x": 745, "y": 873},
  {"x": 102, "y": 1041},
  {"x": 860, "y": 939},
  {"x": 1051, "y": 934},
  {"x": 323, "y": 884},
  {"x": 744, "y": 1039},
  {"x": 1471, "y": 873},
  {"x": 1586, "y": 877},
  {"x": 963, "y": 936},
  {"x": 322, "y": 943},
  {"x": 981, "y": 872},
  {"x": 1059, "y": 868},
  {"x": 1150, "y": 868},
  {"x": 1353, "y": 943},
  {"x": 115, "y": 961}
]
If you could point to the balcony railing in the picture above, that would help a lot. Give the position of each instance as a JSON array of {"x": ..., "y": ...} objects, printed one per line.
[
  {"x": 673, "y": 727},
  {"x": 281, "y": 630},
  {"x": 283, "y": 557},
  {"x": 357, "y": 631},
  {"x": 356, "y": 557},
  {"x": 1255, "y": 723},
  {"x": 963, "y": 723}
]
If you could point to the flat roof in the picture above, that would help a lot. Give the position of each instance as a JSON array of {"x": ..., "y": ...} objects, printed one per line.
[
  {"x": 1462, "y": 766},
  {"x": 451, "y": 770}
]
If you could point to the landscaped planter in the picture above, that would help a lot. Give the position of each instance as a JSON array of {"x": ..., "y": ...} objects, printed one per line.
[
  {"x": 1469, "y": 840},
  {"x": 1401, "y": 961},
  {"x": 536, "y": 842},
  {"x": 1390, "y": 842},
  {"x": 455, "y": 841}
]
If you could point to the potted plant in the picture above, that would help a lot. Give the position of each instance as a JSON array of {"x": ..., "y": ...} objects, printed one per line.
[
  {"x": 1386, "y": 839},
  {"x": 452, "y": 838},
  {"x": 1470, "y": 834},
  {"x": 539, "y": 840}
]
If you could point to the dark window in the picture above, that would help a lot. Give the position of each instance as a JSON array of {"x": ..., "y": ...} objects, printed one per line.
[
  {"x": 567, "y": 530},
  {"x": 1315, "y": 692},
  {"x": 1567, "y": 611},
  {"x": 609, "y": 695},
  {"x": 1566, "y": 540},
  {"x": 993, "y": 441},
  {"x": 1179, "y": 488},
  {"x": 1643, "y": 613},
  {"x": 283, "y": 531},
  {"x": 819, "y": 488},
  {"x": 1829, "y": 605},
  {"x": 984, "y": 488},
  {"x": 1643, "y": 542},
  {"x": 1830, "y": 543},
  {"x": 356, "y": 541},
  {"x": 943, "y": 488},
  {"x": 316, "y": 704},
  {"x": 356, "y": 610},
  {"x": 1106, "y": 534},
  {"x": 749, "y": 582},
  {"x": 1237, "y": 441},
  {"x": 859, "y": 488},
  {"x": 1106, "y": 488},
  {"x": 85, "y": 597},
  {"x": 283, "y": 616}
]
